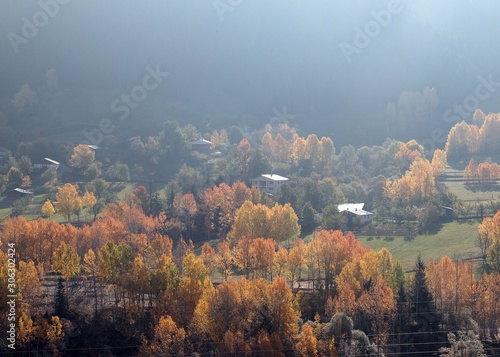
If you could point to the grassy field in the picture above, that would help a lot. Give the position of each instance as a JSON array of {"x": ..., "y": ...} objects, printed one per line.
[
  {"x": 124, "y": 189},
  {"x": 470, "y": 194},
  {"x": 454, "y": 239},
  {"x": 473, "y": 195}
]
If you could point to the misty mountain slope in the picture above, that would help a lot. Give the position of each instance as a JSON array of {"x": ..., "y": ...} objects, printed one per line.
[{"x": 246, "y": 60}]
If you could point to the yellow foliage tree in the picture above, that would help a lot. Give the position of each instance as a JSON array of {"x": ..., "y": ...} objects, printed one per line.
[
  {"x": 489, "y": 133},
  {"x": 417, "y": 185},
  {"x": 168, "y": 340},
  {"x": 299, "y": 149},
  {"x": 66, "y": 261},
  {"x": 260, "y": 221},
  {"x": 327, "y": 151},
  {"x": 88, "y": 200},
  {"x": 67, "y": 200},
  {"x": 313, "y": 148},
  {"x": 48, "y": 209},
  {"x": 224, "y": 260},
  {"x": 29, "y": 281},
  {"x": 438, "y": 162},
  {"x": 306, "y": 346}
]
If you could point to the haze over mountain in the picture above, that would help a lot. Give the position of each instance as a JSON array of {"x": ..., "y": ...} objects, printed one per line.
[{"x": 241, "y": 61}]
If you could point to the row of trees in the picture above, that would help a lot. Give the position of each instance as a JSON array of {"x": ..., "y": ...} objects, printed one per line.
[
  {"x": 273, "y": 147},
  {"x": 69, "y": 202},
  {"x": 480, "y": 137},
  {"x": 288, "y": 146},
  {"x": 122, "y": 262},
  {"x": 482, "y": 174},
  {"x": 489, "y": 241},
  {"x": 253, "y": 221}
]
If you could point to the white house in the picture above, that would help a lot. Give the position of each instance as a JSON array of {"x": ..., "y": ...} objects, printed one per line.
[
  {"x": 19, "y": 193},
  {"x": 356, "y": 210},
  {"x": 202, "y": 146},
  {"x": 268, "y": 182},
  {"x": 50, "y": 164}
]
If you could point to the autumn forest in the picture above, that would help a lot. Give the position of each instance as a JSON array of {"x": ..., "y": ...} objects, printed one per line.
[
  {"x": 210, "y": 264},
  {"x": 282, "y": 178}
]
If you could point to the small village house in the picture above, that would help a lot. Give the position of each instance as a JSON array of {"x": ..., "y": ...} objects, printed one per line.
[
  {"x": 355, "y": 210},
  {"x": 202, "y": 146},
  {"x": 19, "y": 193},
  {"x": 48, "y": 164},
  {"x": 268, "y": 182}
]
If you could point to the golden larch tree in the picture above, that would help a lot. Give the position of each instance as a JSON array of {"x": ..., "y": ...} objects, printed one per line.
[
  {"x": 48, "y": 209},
  {"x": 66, "y": 261},
  {"x": 67, "y": 200}
]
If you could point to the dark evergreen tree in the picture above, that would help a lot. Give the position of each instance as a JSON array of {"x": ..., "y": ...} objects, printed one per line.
[
  {"x": 305, "y": 167},
  {"x": 402, "y": 329},
  {"x": 287, "y": 194},
  {"x": 311, "y": 192},
  {"x": 333, "y": 219},
  {"x": 61, "y": 302},
  {"x": 424, "y": 320},
  {"x": 235, "y": 135},
  {"x": 308, "y": 215},
  {"x": 156, "y": 205}
]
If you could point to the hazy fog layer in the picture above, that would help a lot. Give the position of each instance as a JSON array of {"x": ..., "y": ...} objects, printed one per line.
[{"x": 334, "y": 64}]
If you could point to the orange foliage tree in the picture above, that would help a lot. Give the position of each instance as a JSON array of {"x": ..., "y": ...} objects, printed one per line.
[
  {"x": 221, "y": 203},
  {"x": 237, "y": 308},
  {"x": 416, "y": 186}
]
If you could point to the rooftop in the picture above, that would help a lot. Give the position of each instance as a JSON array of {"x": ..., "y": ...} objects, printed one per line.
[
  {"x": 273, "y": 177},
  {"x": 20, "y": 190},
  {"x": 201, "y": 141},
  {"x": 52, "y": 161},
  {"x": 350, "y": 206},
  {"x": 356, "y": 208}
]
